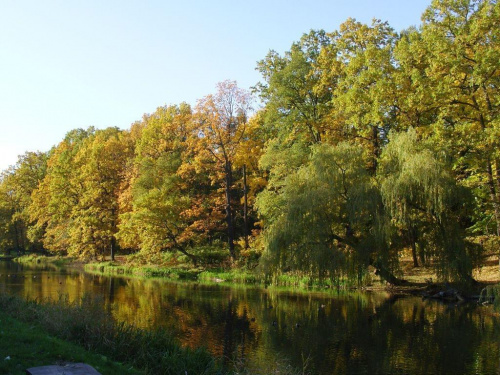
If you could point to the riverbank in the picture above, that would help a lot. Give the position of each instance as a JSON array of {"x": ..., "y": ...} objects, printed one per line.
[
  {"x": 24, "y": 345},
  {"x": 38, "y": 333},
  {"x": 418, "y": 280},
  {"x": 223, "y": 276}
]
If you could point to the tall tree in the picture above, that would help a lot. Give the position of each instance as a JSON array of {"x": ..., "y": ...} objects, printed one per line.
[
  {"x": 295, "y": 106},
  {"x": 222, "y": 119},
  {"x": 102, "y": 160},
  {"x": 462, "y": 43},
  {"x": 170, "y": 208},
  {"x": 58, "y": 193},
  {"x": 414, "y": 102},
  {"x": 356, "y": 68}
]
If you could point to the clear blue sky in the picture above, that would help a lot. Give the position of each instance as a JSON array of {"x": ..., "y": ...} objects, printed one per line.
[{"x": 70, "y": 64}]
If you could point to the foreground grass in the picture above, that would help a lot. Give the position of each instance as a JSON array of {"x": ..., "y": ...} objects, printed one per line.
[
  {"x": 89, "y": 328},
  {"x": 34, "y": 334},
  {"x": 25, "y": 345}
]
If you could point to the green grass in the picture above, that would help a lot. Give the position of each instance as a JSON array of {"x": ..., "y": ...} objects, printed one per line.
[
  {"x": 86, "y": 325},
  {"x": 110, "y": 268},
  {"x": 170, "y": 267},
  {"x": 29, "y": 345},
  {"x": 234, "y": 276},
  {"x": 300, "y": 281},
  {"x": 147, "y": 271},
  {"x": 56, "y": 260}
]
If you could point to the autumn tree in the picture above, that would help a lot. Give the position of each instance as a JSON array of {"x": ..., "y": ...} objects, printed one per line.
[
  {"x": 102, "y": 160},
  {"x": 252, "y": 179},
  {"x": 170, "y": 209},
  {"x": 222, "y": 119},
  {"x": 17, "y": 184},
  {"x": 58, "y": 193}
]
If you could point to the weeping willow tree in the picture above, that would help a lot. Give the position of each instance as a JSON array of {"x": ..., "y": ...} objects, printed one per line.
[
  {"x": 426, "y": 205},
  {"x": 321, "y": 220}
]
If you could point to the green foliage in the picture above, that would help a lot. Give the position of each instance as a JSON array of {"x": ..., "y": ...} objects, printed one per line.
[
  {"x": 357, "y": 69},
  {"x": 461, "y": 40},
  {"x": 321, "y": 223},
  {"x": 293, "y": 105},
  {"x": 419, "y": 191}
]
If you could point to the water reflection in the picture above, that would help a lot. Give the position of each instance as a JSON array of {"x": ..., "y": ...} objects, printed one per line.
[{"x": 342, "y": 334}]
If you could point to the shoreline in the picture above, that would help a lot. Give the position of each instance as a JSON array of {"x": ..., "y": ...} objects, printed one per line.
[{"x": 418, "y": 280}]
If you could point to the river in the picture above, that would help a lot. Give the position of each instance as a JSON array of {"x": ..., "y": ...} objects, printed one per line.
[{"x": 268, "y": 330}]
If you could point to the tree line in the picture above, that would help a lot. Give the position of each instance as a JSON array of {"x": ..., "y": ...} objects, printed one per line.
[{"x": 368, "y": 142}]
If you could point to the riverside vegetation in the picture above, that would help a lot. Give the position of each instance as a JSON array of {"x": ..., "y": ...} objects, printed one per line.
[{"x": 369, "y": 143}]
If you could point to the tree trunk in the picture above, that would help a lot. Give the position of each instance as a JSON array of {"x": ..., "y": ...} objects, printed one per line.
[
  {"x": 16, "y": 236},
  {"x": 387, "y": 275},
  {"x": 376, "y": 149},
  {"x": 413, "y": 241},
  {"x": 245, "y": 206},
  {"x": 497, "y": 171},
  {"x": 414, "y": 254},
  {"x": 229, "y": 210},
  {"x": 493, "y": 196},
  {"x": 112, "y": 248}
]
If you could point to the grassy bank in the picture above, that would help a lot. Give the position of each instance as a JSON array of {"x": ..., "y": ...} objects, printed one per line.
[
  {"x": 24, "y": 345},
  {"x": 56, "y": 260},
  {"x": 134, "y": 266},
  {"x": 52, "y": 331},
  {"x": 210, "y": 276},
  {"x": 418, "y": 278},
  {"x": 121, "y": 268}
]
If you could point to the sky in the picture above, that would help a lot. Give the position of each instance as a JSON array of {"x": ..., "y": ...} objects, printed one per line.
[{"x": 67, "y": 64}]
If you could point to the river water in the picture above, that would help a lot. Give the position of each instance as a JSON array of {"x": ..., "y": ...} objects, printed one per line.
[{"x": 270, "y": 330}]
